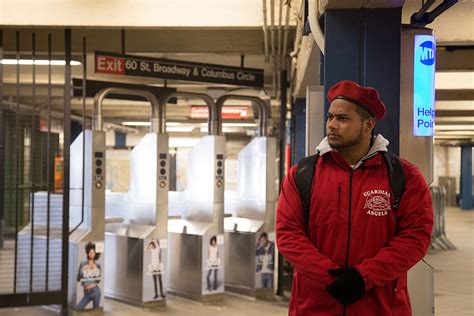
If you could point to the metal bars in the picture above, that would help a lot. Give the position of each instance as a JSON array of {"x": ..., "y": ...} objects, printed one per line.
[
  {"x": 67, "y": 143},
  {"x": 438, "y": 234},
  {"x": 32, "y": 161},
  {"x": 34, "y": 220},
  {"x": 48, "y": 167},
  {"x": 17, "y": 157},
  {"x": 84, "y": 95}
]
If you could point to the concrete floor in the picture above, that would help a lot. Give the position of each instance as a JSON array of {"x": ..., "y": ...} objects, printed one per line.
[
  {"x": 454, "y": 270},
  {"x": 454, "y": 284},
  {"x": 233, "y": 306}
]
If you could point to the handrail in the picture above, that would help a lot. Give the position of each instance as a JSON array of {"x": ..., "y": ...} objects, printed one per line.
[
  {"x": 213, "y": 120},
  {"x": 262, "y": 108},
  {"x": 114, "y": 220},
  {"x": 157, "y": 120}
]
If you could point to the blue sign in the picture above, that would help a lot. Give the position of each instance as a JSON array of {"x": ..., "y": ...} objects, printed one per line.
[{"x": 423, "y": 85}]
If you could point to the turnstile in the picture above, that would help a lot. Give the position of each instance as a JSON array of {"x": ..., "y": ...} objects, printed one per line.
[
  {"x": 250, "y": 230},
  {"x": 196, "y": 239},
  {"x": 136, "y": 222},
  {"x": 86, "y": 243}
]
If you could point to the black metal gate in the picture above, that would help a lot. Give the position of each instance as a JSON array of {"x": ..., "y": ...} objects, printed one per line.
[{"x": 35, "y": 136}]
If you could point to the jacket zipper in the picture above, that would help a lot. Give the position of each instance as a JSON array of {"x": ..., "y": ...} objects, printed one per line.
[
  {"x": 339, "y": 200},
  {"x": 349, "y": 222}
]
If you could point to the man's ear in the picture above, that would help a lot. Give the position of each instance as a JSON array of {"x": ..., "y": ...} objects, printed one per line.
[{"x": 369, "y": 124}]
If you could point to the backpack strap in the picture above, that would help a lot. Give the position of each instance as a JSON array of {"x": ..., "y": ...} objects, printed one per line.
[
  {"x": 304, "y": 179},
  {"x": 396, "y": 177}
]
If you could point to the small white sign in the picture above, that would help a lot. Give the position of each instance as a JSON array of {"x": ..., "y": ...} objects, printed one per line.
[
  {"x": 164, "y": 243},
  {"x": 220, "y": 239},
  {"x": 271, "y": 236},
  {"x": 99, "y": 246}
]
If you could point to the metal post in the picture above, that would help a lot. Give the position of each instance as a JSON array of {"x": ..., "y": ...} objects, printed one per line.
[
  {"x": 67, "y": 144},
  {"x": 84, "y": 94},
  {"x": 48, "y": 167},
  {"x": 123, "y": 40},
  {"x": 283, "y": 100},
  {"x": 17, "y": 156},
  {"x": 2, "y": 150},
  {"x": 32, "y": 161}
]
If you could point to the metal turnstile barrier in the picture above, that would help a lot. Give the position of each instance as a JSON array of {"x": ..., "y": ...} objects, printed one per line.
[
  {"x": 86, "y": 242},
  {"x": 196, "y": 240},
  {"x": 438, "y": 234},
  {"x": 136, "y": 222},
  {"x": 250, "y": 227}
]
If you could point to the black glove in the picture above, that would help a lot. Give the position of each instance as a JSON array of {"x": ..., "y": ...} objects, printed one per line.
[{"x": 348, "y": 287}]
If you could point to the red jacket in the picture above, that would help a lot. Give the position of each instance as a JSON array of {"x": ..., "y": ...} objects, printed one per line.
[{"x": 383, "y": 244}]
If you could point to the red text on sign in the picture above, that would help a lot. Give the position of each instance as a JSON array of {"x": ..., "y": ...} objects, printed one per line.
[{"x": 110, "y": 65}]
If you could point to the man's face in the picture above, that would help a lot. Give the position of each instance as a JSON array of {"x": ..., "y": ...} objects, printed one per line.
[{"x": 344, "y": 126}]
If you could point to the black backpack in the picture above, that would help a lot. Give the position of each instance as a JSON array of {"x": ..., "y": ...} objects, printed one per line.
[{"x": 307, "y": 166}]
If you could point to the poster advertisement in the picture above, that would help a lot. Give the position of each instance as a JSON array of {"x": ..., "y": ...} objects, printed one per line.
[
  {"x": 154, "y": 269},
  {"x": 89, "y": 277},
  {"x": 264, "y": 260},
  {"x": 213, "y": 264}
]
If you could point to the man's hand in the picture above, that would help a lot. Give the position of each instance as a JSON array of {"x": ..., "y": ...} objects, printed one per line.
[{"x": 348, "y": 287}]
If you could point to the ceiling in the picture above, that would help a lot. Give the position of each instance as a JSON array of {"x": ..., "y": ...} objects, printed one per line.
[{"x": 227, "y": 45}]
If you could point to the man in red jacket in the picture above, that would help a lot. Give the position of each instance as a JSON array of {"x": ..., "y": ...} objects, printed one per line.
[{"x": 352, "y": 256}]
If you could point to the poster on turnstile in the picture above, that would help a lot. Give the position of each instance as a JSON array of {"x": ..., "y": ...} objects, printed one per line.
[
  {"x": 90, "y": 262},
  {"x": 264, "y": 260},
  {"x": 213, "y": 264},
  {"x": 154, "y": 269}
]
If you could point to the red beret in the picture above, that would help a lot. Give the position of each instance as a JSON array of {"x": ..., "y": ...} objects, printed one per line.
[{"x": 366, "y": 97}]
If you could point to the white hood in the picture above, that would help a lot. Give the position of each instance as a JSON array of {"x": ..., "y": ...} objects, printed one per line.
[{"x": 379, "y": 144}]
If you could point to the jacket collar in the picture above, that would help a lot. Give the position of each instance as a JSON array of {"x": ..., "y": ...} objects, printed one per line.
[{"x": 379, "y": 144}]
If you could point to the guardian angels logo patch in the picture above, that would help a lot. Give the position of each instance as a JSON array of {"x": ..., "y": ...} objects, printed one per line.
[{"x": 377, "y": 202}]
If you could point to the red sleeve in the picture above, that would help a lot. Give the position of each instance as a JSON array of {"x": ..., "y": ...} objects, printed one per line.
[
  {"x": 292, "y": 240},
  {"x": 414, "y": 224}
]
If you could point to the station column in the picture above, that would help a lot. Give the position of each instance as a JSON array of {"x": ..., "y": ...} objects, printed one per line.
[
  {"x": 466, "y": 177},
  {"x": 363, "y": 45}
]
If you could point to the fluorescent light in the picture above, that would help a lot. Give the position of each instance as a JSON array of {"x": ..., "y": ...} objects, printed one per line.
[
  {"x": 38, "y": 62},
  {"x": 224, "y": 130},
  {"x": 452, "y": 137},
  {"x": 454, "y": 80},
  {"x": 183, "y": 129},
  {"x": 454, "y": 119},
  {"x": 187, "y": 128},
  {"x": 454, "y": 127},
  {"x": 455, "y": 105},
  {"x": 132, "y": 123},
  {"x": 229, "y": 127},
  {"x": 136, "y": 123},
  {"x": 239, "y": 124},
  {"x": 233, "y": 124},
  {"x": 455, "y": 133},
  {"x": 170, "y": 126}
]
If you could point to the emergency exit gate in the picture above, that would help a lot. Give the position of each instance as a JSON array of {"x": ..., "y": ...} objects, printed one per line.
[{"x": 35, "y": 137}]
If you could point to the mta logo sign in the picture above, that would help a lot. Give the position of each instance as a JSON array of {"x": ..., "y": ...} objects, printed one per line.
[{"x": 427, "y": 53}]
